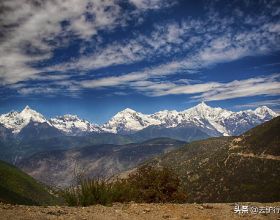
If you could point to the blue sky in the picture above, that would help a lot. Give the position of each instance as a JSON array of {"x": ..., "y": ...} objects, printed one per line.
[{"x": 95, "y": 58}]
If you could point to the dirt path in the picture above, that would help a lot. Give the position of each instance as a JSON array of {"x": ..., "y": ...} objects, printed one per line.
[
  {"x": 133, "y": 211},
  {"x": 262, "y": 156}
]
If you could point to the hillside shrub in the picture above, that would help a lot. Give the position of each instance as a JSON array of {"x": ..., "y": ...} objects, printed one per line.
[
  {"x": 156, "y": 185},
  {"x": 147, "y": 184}
]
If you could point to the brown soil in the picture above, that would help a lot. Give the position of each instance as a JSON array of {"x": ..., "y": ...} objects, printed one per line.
[{"x": 132, "y": 211}]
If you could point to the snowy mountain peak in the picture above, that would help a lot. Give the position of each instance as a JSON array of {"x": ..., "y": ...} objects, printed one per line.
[
  {"x": 128, "y": 121},
  {"x": 73, "y": 125},
  {"x": 17, "y": 120},
  {"x": 264, "y": 111},
  {"x": 202, "y": 108},
  {"x": 125, "y": 114},
  {"x": 204, "y": 111},
  {"x": 26, "y": 108},
  {"x": 212, "y": 121},
  {"x": 69, "y": 117},
  {"x": 128, "y": 110},
  {"x": 202, "y": 105},
  {"x": 28, "y": 111},
  {"x": 165, "y": 113}
]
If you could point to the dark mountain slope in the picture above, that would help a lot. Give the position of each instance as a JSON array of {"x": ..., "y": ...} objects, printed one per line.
[
  {"x": 14, "y": 150},
  {"x": 188, "y": 133},
  {"x": 18, "y": 188},
  {"x": 35, "y": 130},
  {"x": 230, "y": 169},
  {"x": 5, "y": 133}
]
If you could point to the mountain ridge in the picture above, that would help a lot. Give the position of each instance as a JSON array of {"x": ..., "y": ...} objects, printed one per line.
[{"x": 212, "y": 121}]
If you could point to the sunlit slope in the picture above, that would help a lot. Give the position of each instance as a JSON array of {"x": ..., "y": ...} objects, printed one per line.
[{"x": 230, "y": 169}]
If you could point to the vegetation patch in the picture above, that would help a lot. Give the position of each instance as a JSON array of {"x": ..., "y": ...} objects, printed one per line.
[
  {"x": 16, "y": 187},
  {"x": 147, "y": 184}
]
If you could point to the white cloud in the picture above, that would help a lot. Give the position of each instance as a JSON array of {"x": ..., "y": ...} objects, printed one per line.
[
  {"x": 34, "y": 23},
  {"x": 268, "y": 85},
  {"x": 189, "y": 46},
  {"x": 244, "y": 88},
  {"x": 272, "y": 103},
  {"x": 59, "y": 88},
  {"x": 127, "y": 51},
  {"x": 200, "y": 44},
  {"x": 148, "y": 73},
  {"x": 28, "y": 27},
  {"x": 189, "y": 89},
  {"x": 112, "y": 81},
  {"x": 103, "y": 57},
  {"x": 151, "y": 4},
  {"x": 209, "y": 91}
]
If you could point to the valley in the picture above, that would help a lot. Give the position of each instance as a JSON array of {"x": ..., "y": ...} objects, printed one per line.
[{"x": 59, "y": 167}]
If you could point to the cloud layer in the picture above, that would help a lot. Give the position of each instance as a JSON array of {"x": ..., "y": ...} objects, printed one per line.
[
  {"x": 156, "y": 61},
  {"x": 31, "y": 30}
]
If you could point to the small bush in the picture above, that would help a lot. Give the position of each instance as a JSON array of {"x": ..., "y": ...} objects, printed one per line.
[
  {"x": 96, "y": 191},
  {"x": 147, "y": 184},
  {"x": 70, "y": 195},
  {"x": 154, "y": 185}
]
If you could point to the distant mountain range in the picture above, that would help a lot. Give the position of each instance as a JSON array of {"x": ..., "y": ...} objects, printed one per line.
[{"x": 205, "y": 120}]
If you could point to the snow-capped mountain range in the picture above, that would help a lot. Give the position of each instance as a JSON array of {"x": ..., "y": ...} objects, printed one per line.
[
  {"x": 212, "y": 121},
  {"x": 72, "y": 124}
]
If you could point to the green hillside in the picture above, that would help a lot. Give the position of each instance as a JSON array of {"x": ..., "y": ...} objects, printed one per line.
[{"x": 16, "y": 187}]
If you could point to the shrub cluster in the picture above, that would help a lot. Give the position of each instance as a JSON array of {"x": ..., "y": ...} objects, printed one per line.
[{"x": 147, "y": 184}]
